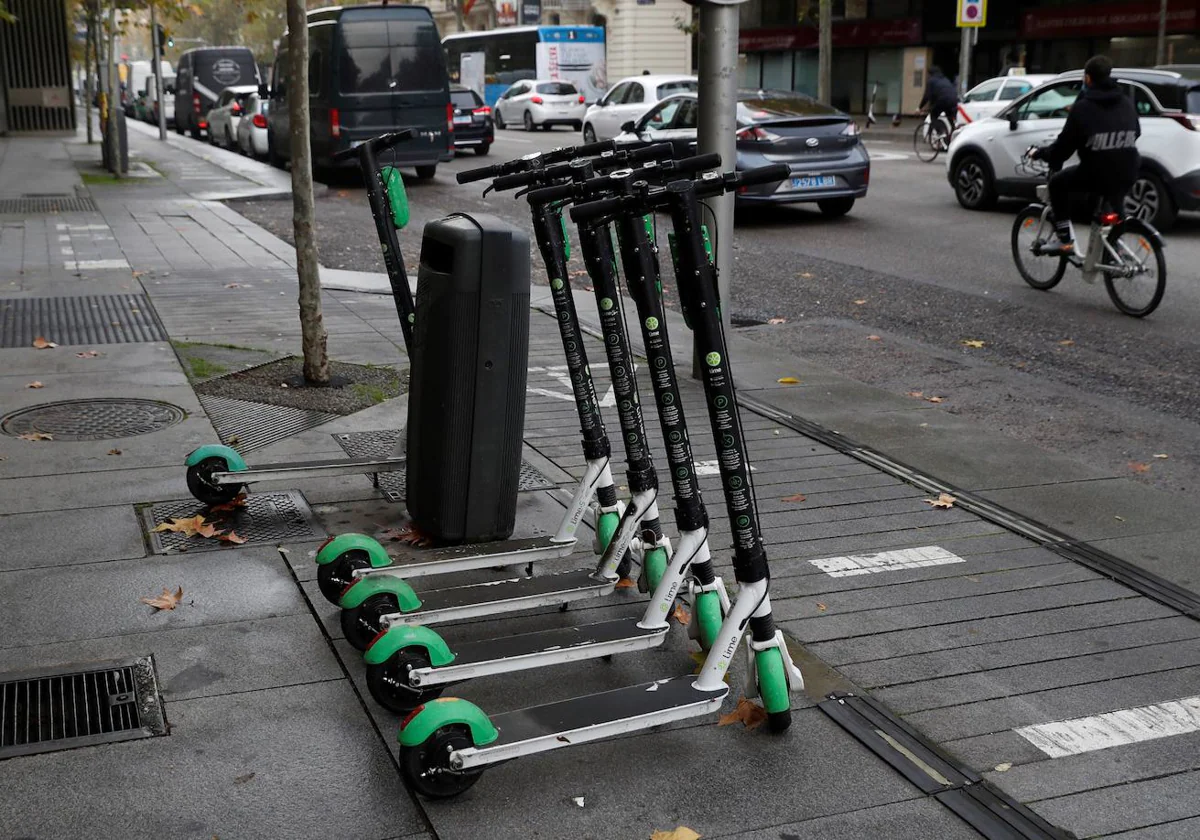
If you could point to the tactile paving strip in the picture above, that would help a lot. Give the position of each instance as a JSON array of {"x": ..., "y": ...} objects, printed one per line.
[
  {"x": 247, "y": 425},
  {"x": 81, "y": 319},
  {"x": 382, "y": 444},
  {"x": 267, "y": 518}
]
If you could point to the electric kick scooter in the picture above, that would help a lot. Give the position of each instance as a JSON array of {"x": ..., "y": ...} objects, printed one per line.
[
  {"x": 373, "y": 603},
  {"x": 445, "y": 745},
  {"x": 408, "y": 665}
]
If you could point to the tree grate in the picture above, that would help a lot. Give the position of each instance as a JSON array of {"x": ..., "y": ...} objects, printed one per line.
[
  {"x": 44, "y": 710},
  {"x": 247, "y": 425},
  {"x": 384, "y": 444},
  {"x": 94, "y": 419},
  {"x": 79, "y": 319},
  {"x": 271, "y": 518},
  {"x": 33, "y": 204}
]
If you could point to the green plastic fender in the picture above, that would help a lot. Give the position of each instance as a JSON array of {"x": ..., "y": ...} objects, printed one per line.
[
  {"x": 398, "y": 637},
  {"x": 217, "y": 450},
  {"x": 393, "y": 185},
  {"x": 365, "y": 587},
  {"x": 447, "y": 711},
  {"x": 606, "y": 529},
  {"x": 342, "y": 543}
]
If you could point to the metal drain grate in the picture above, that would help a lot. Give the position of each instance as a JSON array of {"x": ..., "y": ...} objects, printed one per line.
[
  {"x": 28, "y": 204},
  {"x": 98, "y": 419},
  {"x": 382, "y": 444},
  {"x": 267, "y": 518},
  {"x": 85, "y": 319},
  {"x": 46, "y": 710},
  {"x": 247, "y": 425}
]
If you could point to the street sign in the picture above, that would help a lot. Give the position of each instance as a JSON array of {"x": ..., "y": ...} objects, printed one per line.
[{"x": 972, "y": 13}]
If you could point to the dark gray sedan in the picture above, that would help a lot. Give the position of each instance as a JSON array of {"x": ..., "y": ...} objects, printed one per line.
[{"x": 820, "y": 145}]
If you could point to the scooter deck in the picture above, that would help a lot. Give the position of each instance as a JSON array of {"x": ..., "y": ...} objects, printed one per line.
[
  {"x": 540, "y": 648},
  {"x": 593, "y": 717},
  {"x": 502, "y": 596},
  {"x": 464, "y": 558},
  {"x": 304, "y": 469}
]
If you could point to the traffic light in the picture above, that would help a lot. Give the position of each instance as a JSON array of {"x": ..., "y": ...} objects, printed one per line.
[{"x": 162, "y": 40}]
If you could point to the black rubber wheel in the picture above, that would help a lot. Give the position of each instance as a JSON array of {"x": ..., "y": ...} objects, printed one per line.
[
  {"x": 527, "y": 121},
  {"x": 835, "y": 208},
  {"x": 923, "y": 144},
  {"x": 362, "y": 624},
  {"x": 426, "y": 767},
  {"x": 499, "y": 119},
  {"x": 1140, "y": 294},
  {"x": 201, "y": 486},
  {"x": 589, "y": 134},
  {"x": 388, "y": 683},
  {"x": 334, "y": 577},
  {"x": 779, "y": 721},
  {"x": 1043, "y": 273},
  {"x": 273, "y": 157},
  {"x": 195, "y": 133},
  {"x": 974, "y": 186},
  {"x": 230, "y": 143},
  {"x": 426, "y": 172},
  {"x": 483, "y": 149},
  {"x": 576, "y": 126},
  {"x": 1149, "y": 201}
]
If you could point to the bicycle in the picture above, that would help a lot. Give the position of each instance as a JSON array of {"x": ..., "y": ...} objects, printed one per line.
[
  {"x": 1119, "y": 248},
  {"x": 929, "y": 142}
]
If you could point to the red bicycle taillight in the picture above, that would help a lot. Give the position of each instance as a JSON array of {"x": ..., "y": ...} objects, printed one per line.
[
  {"x": 449, "y": 118},
  {"x": 411, "y": 715},
  {"x": 537, "y": 100},
  {"x": 335, "y": 123},
  {"x": 259, "y": 121},
  {"x": 1110, "y": 218}
]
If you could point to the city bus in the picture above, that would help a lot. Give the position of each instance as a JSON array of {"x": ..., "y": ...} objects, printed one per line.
[{"x": 558, "y": 53}]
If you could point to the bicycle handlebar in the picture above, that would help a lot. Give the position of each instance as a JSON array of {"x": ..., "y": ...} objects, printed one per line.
[
  {"x": 377, "y": 144},
  {"x": 536, "y": 160}
]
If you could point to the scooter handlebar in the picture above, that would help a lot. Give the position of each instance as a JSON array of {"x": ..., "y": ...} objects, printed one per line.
[
  {"x": 697, "y": 163},
  {"x": 377, "y": 144},
  {"x": 763, "y": 175},
  {"x": 558, "y": 192},
  {"x": 534, "y": 161},
  {"x": 582, "y": 213}
]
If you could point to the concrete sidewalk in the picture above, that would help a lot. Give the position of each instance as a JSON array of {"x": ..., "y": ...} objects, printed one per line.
[{"x": 1048, "y": 593}]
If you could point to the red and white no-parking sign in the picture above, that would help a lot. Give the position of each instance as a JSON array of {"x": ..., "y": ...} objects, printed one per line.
[{"x": 972, "y": 12}]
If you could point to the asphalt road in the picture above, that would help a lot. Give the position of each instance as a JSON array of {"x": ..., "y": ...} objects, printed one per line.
[{"x": 1063, "y": 368}]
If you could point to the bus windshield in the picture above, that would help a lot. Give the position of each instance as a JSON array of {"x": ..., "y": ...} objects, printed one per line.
[
  {"x": 378, "y": 58},
  {"x": 570, "y": 55}
]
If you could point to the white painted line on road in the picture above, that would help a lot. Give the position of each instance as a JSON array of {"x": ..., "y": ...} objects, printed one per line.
[
  {"x": 878, "y": 157},
  {"x": 94, "y": 265},
  {"x": 886, "y": 561},
  {"x": 1114, "y": 729},
  {"x": 513, "y": 140},
  {"x": 560, "y": 375}
]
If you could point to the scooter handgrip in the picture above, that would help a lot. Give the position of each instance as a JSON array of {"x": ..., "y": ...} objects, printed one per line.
[
  {"x": 655, "y": 151},
  {"x": 517, "y": 179},
  {"x": 386, "y": 141},
  {"x": 480, "y": 174},
  {"x": 558, "y": 192},
  {"x": 581, "y": 213},
  {"x": 591, "y": 149},
  {"x": 698, "y": 163},
  {"x": 763, "y": 175}
]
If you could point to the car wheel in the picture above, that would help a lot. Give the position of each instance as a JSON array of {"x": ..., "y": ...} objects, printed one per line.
[
  {"x": 1149, "y": 201},
  {"x": 528, "y": 121},
  {"x": 499, "y": 119},
  {"x": 273, "y": 157},
  {"x": 973, "y": 184},
  {"x": 426, "y": 172},
  {"x": 589, "y": 134},
  {"x": 834, "y": 208},
  {"x": 482, "y": 149},
  {"x": 229, "y": 144}
]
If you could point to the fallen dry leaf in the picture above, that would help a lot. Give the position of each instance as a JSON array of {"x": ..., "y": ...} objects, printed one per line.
[
  {"x": 626, "y": 583},
  {"x": 944, "y": 500},
  {"x": 798, "y": 497},
  {"x": 242, "y": 779},
  {"x": 679, "y": 833},
  {"x": 1006, "y": 766},
  {"x": 138, "y": 273},
  {"x": 207, "y": 530},
  {"x": 1119, "y": 518},
  {"x": 36, "y": 436},
  {"x": 166, "y": 601},
  {"x": 88, "y": 354},
  {"x": 1066, "y": 342},
  {"x": 233, "y": 440},
  {"x": 1161, "y": 455},
  {"x": 42, "y": 344},
  {"x": 775, "y": 321},
  {"x": 1139, "y": 467},
  {"x": 233, "y": 285},
  {"x": 232, "y": 537},
  {"x": 35, "y": 384},
  {"x": 236, "y": 503},
  {"x": 860, "y": 301},
  {"x": 935, "y": 399},
  {"x": 821, "y": 607},
  {"x": 189, "y": 526},
  {"x": 681, "y": 615},
  {"x": 747, "y": 712},
  {"x": 874, "y": 338},
  {"x": 806, "y": 275},
  {"x": 114, "y": 452},
  {"x": 788, "y": 380},
  {"x": 917, "y": 394},
  {"x": 971, "y": 342}
]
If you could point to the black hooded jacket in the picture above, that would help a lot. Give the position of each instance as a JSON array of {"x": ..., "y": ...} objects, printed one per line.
[
  {"x": 1103, "y": 128},
  {"x": 939, "y": 93}
]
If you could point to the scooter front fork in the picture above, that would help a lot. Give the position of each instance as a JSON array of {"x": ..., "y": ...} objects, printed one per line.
[{"x": 595, "y": 475}]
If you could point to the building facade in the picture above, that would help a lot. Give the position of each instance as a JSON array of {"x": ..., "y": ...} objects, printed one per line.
[{"x": 35, "y": 69}]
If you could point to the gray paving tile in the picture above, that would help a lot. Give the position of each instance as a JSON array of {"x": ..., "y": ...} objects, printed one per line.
[
  {"x": 1186, "y": 829},
  {"x": 915, "y": 819},
  {"x": 90, "y": 535},
  {"x": 995, "y": 749},
  {"x": 1170, "y": 555},
  {"x": 1127, "y": 806},
  {"x": 275, "y": 773}
]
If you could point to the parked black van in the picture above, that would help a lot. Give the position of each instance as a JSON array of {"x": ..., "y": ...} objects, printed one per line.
[
  {"x": 200, "y": 76},
  {"x": 371, "y": 69}
]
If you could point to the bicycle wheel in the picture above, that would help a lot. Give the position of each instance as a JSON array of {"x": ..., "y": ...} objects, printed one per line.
[
  {"x": 1138, "y": 289},
  {"x": 923, "y": 142},
  {"x": 1029, "y": 230}
]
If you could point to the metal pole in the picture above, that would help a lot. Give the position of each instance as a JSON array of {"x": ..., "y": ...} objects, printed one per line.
[
  {"x": 1160, "y": 55},
  {"x": 825, "y": 51},
  {"x": 110, "y": 134},
  {"x": 159, "y": 95},
  {"x": 87, "y": 67},
  {"x": 718, "y": 80},
  {"x": 964, "y": 61}
]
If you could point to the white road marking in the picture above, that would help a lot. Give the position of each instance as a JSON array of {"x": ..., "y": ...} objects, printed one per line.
[
  {"x": 559, "y": 373},
  {"x": 877, "y": 157},
  {"x": 886, "y": 561},
  {"x": 1114, "y": 729},
  {"x": 94, "y": 265}
]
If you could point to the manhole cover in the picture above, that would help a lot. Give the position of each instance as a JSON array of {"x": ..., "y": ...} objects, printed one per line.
[
  {"x": 267, "y": 518},
  {"x": 97, "y": 419}
]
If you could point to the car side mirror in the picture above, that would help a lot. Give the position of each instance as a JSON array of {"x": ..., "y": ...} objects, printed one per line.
[
  {"x": 1012, "y": 122},
  {"x": 264, "y": 92},
  {"x": 629, "y": 126}
]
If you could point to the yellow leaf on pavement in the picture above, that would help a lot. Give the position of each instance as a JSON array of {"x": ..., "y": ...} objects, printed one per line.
[
  {"x": 1066, "y": 342},
  {"x": 42, "y": 344},
  {"x": 680, "y": 833},
  {"x": 788, "y": 380},
  {"x": 971, "y": 342},
  {"x": 1139, "y": 467},
  {"x": 776, "y": 321},
  {"x": 626, "y": 583},
  {"x": 944, "y": 500},
  {"x": 935, "y": 399},
  {"x": 189, "y": 526},
  {"x": 232, "y": 537},
  {"x": 168, "y": 600},
  {"x": 35, "y": 384},
  {"x": 35, "y": 436},
  {"x": 874, "y": 338},
  {"x": 747, "y": 712},
  {"x": 681, "y": 615},
  {"x": 860, "y": 301},
  {"x": 797, "y": 497},
  {"x": 1161, "y": 455}
]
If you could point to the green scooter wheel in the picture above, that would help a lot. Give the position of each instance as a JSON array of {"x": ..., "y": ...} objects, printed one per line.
[
  {"x": 361, "y": 624},
  {"x": 654, "y": 566},
  {"x": 426, "y": 767},
  {"x": 606, "y": 529},
  {"x": 333, "y": 578},
  {"x": 708, "y": 618},
  {"x": 388, "y": 681},
  {"x": 206, "y": 491},
  {"x": 773, "y": 688}
]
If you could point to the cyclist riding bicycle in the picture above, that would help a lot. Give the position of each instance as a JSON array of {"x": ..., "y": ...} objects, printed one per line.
[
  {"x": 941, "y": 97},
  {"x": 1102, "y": 126}
]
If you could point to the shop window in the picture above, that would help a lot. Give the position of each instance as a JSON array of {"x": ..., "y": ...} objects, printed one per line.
[
  {"x": 779, "y": 12},
  {"x": 777, "y": 71}
]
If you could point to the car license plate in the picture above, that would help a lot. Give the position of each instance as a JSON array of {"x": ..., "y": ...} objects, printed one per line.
[
  {"x": 463, "y": 120},
  {"x": 813, "y": 182}
]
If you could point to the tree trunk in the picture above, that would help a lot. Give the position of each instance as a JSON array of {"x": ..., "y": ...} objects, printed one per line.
[
  {"x": 87, "y": 86},
  {"x": 312, "y": 326},
  {"x": 825, "y": 52}
]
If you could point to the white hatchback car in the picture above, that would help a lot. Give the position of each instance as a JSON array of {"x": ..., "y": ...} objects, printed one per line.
[
  {"x": 989, "y": 98},
  {"x": 225, "y": 114},
  {"x": 984, "y": 161},
  {"x": 252, "y": 127},
  {"x": 540, "y": 103},
  {"x": 628, "y": 100}
]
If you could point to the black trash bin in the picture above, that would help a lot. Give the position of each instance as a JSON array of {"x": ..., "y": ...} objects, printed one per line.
[{"x": 466, "y": 409}]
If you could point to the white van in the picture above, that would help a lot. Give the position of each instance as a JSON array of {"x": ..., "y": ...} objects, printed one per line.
[{"x": 137, "y": 74}]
